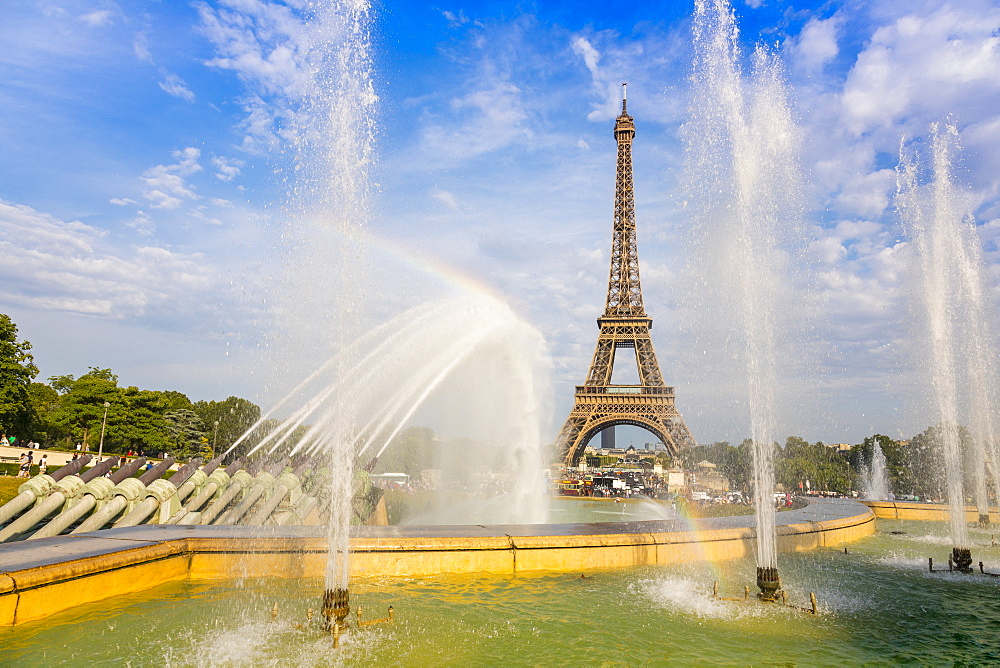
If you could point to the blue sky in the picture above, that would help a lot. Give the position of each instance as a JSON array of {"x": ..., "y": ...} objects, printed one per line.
[{"x": 143, "y": 178}]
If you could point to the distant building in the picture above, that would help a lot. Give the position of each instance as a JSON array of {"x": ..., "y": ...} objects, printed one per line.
[
  {"x": 676, "y": 479},
  {"x": 840, "y": 447},
  {"x": 708, "y": 478}
]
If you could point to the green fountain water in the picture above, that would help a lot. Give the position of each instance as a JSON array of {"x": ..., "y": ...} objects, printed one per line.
[{"x": 878, "y": 604}]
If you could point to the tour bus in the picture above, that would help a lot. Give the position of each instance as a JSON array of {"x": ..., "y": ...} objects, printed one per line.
[{"x": 569, "y": 487}]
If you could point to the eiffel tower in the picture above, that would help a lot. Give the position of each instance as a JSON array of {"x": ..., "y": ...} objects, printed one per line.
[{"x": 599, "y": 405}]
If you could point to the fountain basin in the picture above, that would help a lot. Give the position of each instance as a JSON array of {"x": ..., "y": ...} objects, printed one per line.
[
  {"x": 932, "y": 512},
  {"x": 41, "y": 577}
]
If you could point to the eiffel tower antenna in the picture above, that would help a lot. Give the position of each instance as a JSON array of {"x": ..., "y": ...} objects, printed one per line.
[{"x": 598, "y": 404}]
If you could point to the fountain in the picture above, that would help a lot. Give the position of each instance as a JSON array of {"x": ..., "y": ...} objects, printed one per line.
[
  {"x": 744, "y": 185},
  {"x": 954, "y": 323},
  {"x": 875, "y": 475},
  {"x": 475, "y": 593}
]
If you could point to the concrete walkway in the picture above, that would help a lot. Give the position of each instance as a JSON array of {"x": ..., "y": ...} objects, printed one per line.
[{"x": 56, "y": 458}]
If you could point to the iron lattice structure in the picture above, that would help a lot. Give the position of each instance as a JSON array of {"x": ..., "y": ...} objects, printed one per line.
[{"x": 598, "y": 404}]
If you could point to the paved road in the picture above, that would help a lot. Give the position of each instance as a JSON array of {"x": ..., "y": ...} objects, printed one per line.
[{"x": 56, "y": 457}]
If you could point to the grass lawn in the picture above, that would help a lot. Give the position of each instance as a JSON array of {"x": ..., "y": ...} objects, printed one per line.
[{"x": 8, "y": 487}]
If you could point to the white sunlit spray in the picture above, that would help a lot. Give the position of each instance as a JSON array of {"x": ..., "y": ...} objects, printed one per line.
[
  {"x": 331, "y": 133},
  {"x": 875, "y": 476},
  {"x": 956, "y": 320},
  {"x": 744, "y": 188}
]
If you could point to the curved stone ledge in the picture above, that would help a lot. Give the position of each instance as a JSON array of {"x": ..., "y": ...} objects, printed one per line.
[
  {"x": 41, "y": 577},
  {"x": 932, "y": 512}
]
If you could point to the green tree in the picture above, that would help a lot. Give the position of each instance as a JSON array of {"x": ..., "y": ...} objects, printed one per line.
[
  {"x": 134, "y": 417},
  {"x": 61, "y": 384},
  {"x": 44, "y": 403},
  {"x": 17, "y": 370},
  {"x": 174, "y": 400},
  {"x": 80, "y": 413},
  {"x": 824, "y": 468},
  {"x": 186, "y": 433},
  {"x": 733, "y": 462},
  {"x": 922, "y": 458},
  {"x": 235, "y": 417},
  {"x": 137, "y": 423}
]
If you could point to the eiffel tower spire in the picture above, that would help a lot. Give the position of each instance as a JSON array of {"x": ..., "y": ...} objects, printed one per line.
[
  {"x": 599, "y": 404},
  {"x": 624, "y": 294}
]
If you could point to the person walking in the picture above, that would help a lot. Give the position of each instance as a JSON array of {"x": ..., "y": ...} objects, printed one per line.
[
  {"x": 43, "y": 463},
  {"x": 24, "y": 466}
]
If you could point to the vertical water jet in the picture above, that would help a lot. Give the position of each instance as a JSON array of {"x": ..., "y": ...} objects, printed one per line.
[
  {"x": 331, "y": 140},
  {"x": 744, "y": 191},
  {"x": 875, "y": 475},
  {"x": 955, "y": 323}
]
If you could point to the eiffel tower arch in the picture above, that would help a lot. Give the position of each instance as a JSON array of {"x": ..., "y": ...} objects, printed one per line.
[{"x": 598, "y": 404}]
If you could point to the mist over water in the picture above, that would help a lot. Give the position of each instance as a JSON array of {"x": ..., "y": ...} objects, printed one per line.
[
  {"x": 365, "y": 380},
  {"x": 744, "y": 190},
  {"x": 469, "y": 360},
  {"x": 955, "y": 318}
]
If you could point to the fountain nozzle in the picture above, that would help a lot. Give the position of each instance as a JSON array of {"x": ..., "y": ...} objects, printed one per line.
[
  {"x": 336, "y": 606},
  {"x": 769, "y": 584},
  {"x": 961, "y": 559}
]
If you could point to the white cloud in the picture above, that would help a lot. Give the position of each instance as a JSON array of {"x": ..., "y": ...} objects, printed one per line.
[
  {"x": 583, "y": 48},
  {"x": 446, "y": 198},
  {"x": 142, "y": 223},
  {"x": 259, "y": 41},
  {"x": 646, "y": 62},
  {"x": 100, "y": 17},
  {"x": 291, "y": 59},
  {"x": 490, "y": 119},
  {"x": 264, "y": 44},
  {"x": 817, "y": 43},
  {"x": 167, "y": 187},
  {"x": 606, "y": 84},
  {"x": 866, "y": 195},
  {"x": 227, "y": 168},
  {"x": 198, "y": 213},
  {"x": 454, "y": 20},
  {"x": 922, "y": 68},
  {"x": 122, "y": 201},
  {"x": 174, "y": 85},
  {"x": 141, "y": 47},
  {"x": 50, "y": 264}
]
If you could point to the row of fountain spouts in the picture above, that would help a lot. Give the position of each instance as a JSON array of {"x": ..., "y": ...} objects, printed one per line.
[{"x": 71, "y": 499}]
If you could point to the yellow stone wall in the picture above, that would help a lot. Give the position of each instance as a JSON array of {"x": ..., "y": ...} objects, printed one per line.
[
  {"x": 931, "y": 512},
  {"x": 34, "y": 593}
]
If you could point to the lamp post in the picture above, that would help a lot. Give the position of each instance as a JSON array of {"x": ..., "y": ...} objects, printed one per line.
[
  {"x": 215, "y": 438},
  {"x": 100, "y": 448}
]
